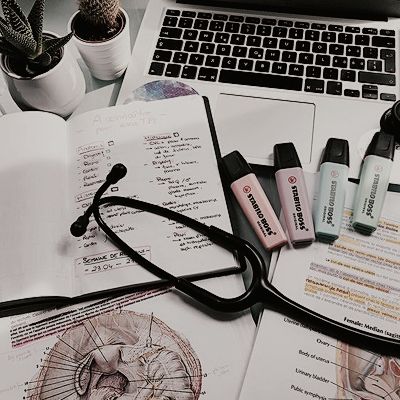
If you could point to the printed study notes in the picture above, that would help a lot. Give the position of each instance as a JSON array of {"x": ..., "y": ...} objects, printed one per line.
[{"x": 50, "y": 170}]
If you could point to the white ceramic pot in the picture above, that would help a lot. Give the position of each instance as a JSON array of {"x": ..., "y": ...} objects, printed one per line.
[
  {"x": 106, "y": 60},
  {"x": 58, "y": 90}
]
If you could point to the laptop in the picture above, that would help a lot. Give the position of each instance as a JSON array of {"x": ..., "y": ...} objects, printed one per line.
[{"x": 276, "y": 71}]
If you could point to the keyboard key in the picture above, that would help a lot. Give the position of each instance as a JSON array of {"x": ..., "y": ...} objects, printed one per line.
[
  {"x": 189, "y": 72},
  {"x": 201, "y": 24},
  {"x": 229, "y": 62},
  {"x": 353, "y": 51},
  {"x": 296, "y": 69},
  {"x": 348, "y": 75},
  {"x": 285, "y": 22},
  {"x": 207, "y": 48},
  {"x": 196, "y": 59},
  {"x": 352, "y": 29},
  {"x": 206, "y": 36},
  {"x": 335, "y": 28},
  {"x": 238, "y": 39},
  {"x": 232, "y": 27},
  {"x": 313, "y": 72},
  {"x": 173, "y": 12},
  {"x": 370, "y": 52},
  {"x": 207, "y": 74},
  {"x": 303, "y": 46},
  {"x": 236, "y": 18},
  {"x": 256, "y": 52},
  {"x": 362, "y": 40},
  {"x": 333, "y": 87},
  {"x": 262, "y": 66},
  {"x": 245, "y": 64},
  {"x": 322, "y": 59},
  {"x": 370, "y": 31},
  {"x": 204, "y": 15},
  {"x": 389, "y": 59},
  {"x": 248, "y": 29},
  {"x": 336, "y": 49},
  {"x": 190, "y": 34},
  {"x": 286, "y": 44},
  {"x": 306, "y": 58},
  {"x": 383, "y": 41},
  {"x": 221, "y": 17},
  {"x": 387, "y": 32},
  {"x": 314, "y": 85},
  {"x": 173, "y": 33},
  {"x": 369, "y": 91},
  {"x": 216, "y": 26},
  {"x": 357, "y": 63},
  {"x": 270, "y": 43},
  {"x": 222, "y": 37},
  {"x": 169, "y": 44},
  {"x": 264, "y": 30},
  {"x": 170, "y": 21},
  {"x": 302, "y": 24},
  {"x": 279, "y": 31},
  {"x": 340, "y": 62},
  {"x": 388, "y": 96},
  {"x": 253, "y": 41},
  {"x": 374, "y": 65},
  {"x": 289, "y": 56},
  {"x": 261, "y": 80},
  {"x": 172, "y": 70},
  {"x": 331, "y": 73},
  {"x": 239, "y": 51},
  {"x": 180, "y": 58},
  {"x": 312, "y": 35},
  {"x": 273, "y": 55},
  {"x": 156, "y": 68},
  {"x": 191, "y": 46},
  {"x": 319, "y": 47},
  {"x": 253, "y": 20},
  {"x": 223, "y": 50},
  {"x": 377, "y": 78},
  {"x": 317, "y": 26},
  {"x": 213, "y": 61},
  {"x": 328, "y": 37},
  {"x": 185, "y": 23},
  {"x": 268, "y": 21},
  {"x": 351, "y": 93},
  {"x": 279, "y": 68},
  {"x": 162, "y": 55},
  {"x": 295, "y": 33},
  {"x": 345, "y": 38},
  {"x": 190, "y": 14}
]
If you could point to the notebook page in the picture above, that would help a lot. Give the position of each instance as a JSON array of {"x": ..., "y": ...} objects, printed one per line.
[
  {"x": 33, "y": 181},
  {"x": 168, "y": 151}
]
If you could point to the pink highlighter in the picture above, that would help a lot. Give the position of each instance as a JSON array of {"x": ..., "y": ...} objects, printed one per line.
[
  {"x": 293, "y": 195},
  {"x": 253, "y": 201}
]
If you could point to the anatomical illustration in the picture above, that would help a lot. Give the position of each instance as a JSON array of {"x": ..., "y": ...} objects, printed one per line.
[
  {"x": 363, "y": 375},
  {"x": 118, "y": 355}
]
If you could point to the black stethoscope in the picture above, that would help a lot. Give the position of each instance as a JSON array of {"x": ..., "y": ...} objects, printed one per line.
[{"x": 259, "y": 290}]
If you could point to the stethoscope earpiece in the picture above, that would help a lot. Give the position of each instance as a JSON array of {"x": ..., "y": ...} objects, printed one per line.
[{"x": 390, "y": 121}]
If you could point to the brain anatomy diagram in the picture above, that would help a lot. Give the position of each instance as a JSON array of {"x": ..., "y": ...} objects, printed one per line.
[
  {"x": 363, "y": 375},
  {"x": 119, "y": 355}
]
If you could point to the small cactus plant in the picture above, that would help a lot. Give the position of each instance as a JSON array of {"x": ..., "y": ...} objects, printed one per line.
[
  {"x": 101, "y": 14},
  {"x": 23, "y": 41}
]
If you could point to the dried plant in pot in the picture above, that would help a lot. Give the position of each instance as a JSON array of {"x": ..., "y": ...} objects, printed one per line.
[
  {"x": 101, "y": 34},
  {"x": 40, "y": 72}
]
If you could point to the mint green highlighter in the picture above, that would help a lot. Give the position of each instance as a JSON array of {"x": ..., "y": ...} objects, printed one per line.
[
  {"x": 333, "y": 175},
  {"x": 374, "y": 182}
]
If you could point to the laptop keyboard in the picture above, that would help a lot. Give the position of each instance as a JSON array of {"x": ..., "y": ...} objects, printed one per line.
[{"x": 337, "y": 60}]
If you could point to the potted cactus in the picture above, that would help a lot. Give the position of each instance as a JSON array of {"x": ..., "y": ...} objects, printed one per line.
[
  {"x": 101, "y": 34},
  {"x": 39, "y": 71}
]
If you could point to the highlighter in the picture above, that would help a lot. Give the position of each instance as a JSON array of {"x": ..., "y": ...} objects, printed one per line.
[
  {"x": 374, "y": 182},
  {"x": 333, "y": 176},
  {"x": 253, "y": 201},
  {"x": 293, "y": 195}
]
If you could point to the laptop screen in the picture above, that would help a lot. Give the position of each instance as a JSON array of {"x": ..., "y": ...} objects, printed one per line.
[{"x": 370, "y": 9}]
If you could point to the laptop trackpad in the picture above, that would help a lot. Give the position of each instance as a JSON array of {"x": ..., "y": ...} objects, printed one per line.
[{"x": 253, "y": 125}]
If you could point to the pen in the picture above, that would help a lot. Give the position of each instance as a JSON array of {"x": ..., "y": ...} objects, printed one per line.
[
  {"x": 333, "y": 175},
  {"x": 292, "y": 192},
  {"x": 374, "y": 182},
  {"x": 253, "y": 201}
]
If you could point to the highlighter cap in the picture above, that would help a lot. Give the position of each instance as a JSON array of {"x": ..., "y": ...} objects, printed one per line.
[
  {"x": 235, "y": 166},
  {"x": 382, "y": 145},
  {"x": 285, "y": 156},
  {"x": 336, "y": 151}
]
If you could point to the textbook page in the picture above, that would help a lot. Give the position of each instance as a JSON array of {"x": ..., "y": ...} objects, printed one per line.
[
  {"x": 167, "y": 148},
  {"x": 145, "y": 345},
  {"x": 355, "y": 280},
  {"x": 290, "y": 361},
  {"x": 34, "y": 206}
]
